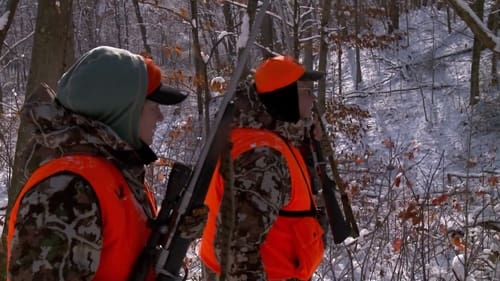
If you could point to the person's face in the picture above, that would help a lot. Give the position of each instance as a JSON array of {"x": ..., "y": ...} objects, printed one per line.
[
  {"x": 150, "y": 116},
  {"x": 306, "y": 99}
]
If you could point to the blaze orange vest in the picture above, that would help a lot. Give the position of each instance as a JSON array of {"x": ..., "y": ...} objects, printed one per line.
[
  {"x": 124, "y": 223},
  {"x": 293, "y": 247}
]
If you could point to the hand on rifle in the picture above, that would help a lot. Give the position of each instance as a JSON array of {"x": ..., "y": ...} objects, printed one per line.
[{"x": 192, "y": 224}]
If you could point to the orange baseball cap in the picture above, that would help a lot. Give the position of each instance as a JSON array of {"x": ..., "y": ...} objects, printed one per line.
[
  {"x": 158, "y": 92},
  {"x": 281, "y": 71}
]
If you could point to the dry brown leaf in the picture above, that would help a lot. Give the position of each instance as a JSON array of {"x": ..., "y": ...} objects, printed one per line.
[
  {"x": 439, "y": 200},
  {"x": 396, "y": 245},
  {"x": 388, "y": 143}
]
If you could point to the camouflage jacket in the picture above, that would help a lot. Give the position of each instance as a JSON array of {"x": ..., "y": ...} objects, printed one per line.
[
  {"x": 67, "y": 248},
  {"x": 261, "y": 186}
]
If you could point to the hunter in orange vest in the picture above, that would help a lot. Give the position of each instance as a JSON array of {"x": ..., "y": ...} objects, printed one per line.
[
  {"x": 83, "y": 211},
  {"x": 276, "y": 234}
]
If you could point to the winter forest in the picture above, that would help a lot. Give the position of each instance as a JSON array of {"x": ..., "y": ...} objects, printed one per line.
[{"x": 411, "y": 100}]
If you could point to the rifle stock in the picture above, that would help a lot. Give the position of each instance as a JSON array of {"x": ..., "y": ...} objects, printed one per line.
[{"x": 313, "y": 155}]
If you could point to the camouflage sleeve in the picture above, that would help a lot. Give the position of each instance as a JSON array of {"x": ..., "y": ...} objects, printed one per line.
[
  {"x": 262, "y": 188},
  {"x": 58, "y": 231}
]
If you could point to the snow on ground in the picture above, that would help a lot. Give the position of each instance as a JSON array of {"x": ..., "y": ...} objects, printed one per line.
[{"x": 421, "y": 100}]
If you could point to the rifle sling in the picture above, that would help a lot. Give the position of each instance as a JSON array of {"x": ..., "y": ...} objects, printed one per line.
[{"x": 296, "y": 214}]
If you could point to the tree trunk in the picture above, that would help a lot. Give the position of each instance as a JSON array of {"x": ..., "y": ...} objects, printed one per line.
[
  {"x": 251, "y": 11},
  {"x": 53, "y": 53},
  {"x": 200, "y": 71},
  {"x": 358, "y": 74},
  {"x": 126, "y": 25},
  {"x": 308, "y": 45},
  {"x": 393, "y": 16},
  {"x": 294, "y": 45},
  {"x": 142, "y": 27},
  {"x": 494, "y": 25},
  {"x": 478, "y": 8},
  {"x": 323, "y": 52},
  {"x": 118, "y": 22},
  {"x": 267, "y": 36},
  {"x": 228, "y": 19},
  {"x": 10, "y": 8},
  {"x": 214, "y": 41},
  {"x": 448, "y": 20}
]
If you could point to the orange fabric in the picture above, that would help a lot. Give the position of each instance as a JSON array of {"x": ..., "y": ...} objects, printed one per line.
[
  {"x": 293, "y": 247},
  {"x": 125, "y": 230},
  {"x": 154, "y": 76},
  {"x": 265, "y": 77}
]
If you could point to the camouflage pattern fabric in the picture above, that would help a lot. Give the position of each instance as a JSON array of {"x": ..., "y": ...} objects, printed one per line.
[
  {"x": 261, "y": 186},
  {"x": 58, "y": 234}
]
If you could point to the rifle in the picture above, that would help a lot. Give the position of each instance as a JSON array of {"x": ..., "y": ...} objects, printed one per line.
[
  {"x": 313, "y": 155},
  {"x": 344, "y": 227},
  {"x": 186, "y": 187}
]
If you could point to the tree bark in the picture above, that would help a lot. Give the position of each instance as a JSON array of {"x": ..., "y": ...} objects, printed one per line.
[
  {"x": 200, "y": 69},
  {"x": 308, "y": 45},
  {"x": 140, "y": 20},
  {"x": 294, "y": 45},
  {"x": 228, "y": 19},
  {"x": 267, "y": 36},
  {"x": 323, "y": 51},
  {"x": 251, "y": 11},
  {"x": 494, "y": 25},
  {"x": 358, "y": 73},
  {"x": 478, "y": 8},
  {"x": 393, "y": 16}
]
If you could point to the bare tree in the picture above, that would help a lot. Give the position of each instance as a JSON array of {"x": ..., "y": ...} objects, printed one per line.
[
  {"x": 393, "y": 10},
  {"x": 358, "y": 75},
  {"x": 140, "y": 20},
  {"x": 200, "y": 68},
  {"x": 8, "y": 9},
  {"x": 323, "y": 50},
  {"x": 494, "y": 26},
  {"x": 267, "y": 35},
  {"x": 478, "y": 8},
  {"x": 228, "y": 19},
  {"x": 486, "y": 36},
  {"x": 307, "y": 33},
  {"x": 250, "y": 14}
]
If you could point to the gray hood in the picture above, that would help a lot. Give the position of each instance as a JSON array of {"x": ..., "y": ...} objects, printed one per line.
[{"x": 109, "y": 85}]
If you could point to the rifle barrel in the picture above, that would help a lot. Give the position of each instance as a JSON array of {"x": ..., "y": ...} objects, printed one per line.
[{"x": 338, "y": 225}]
